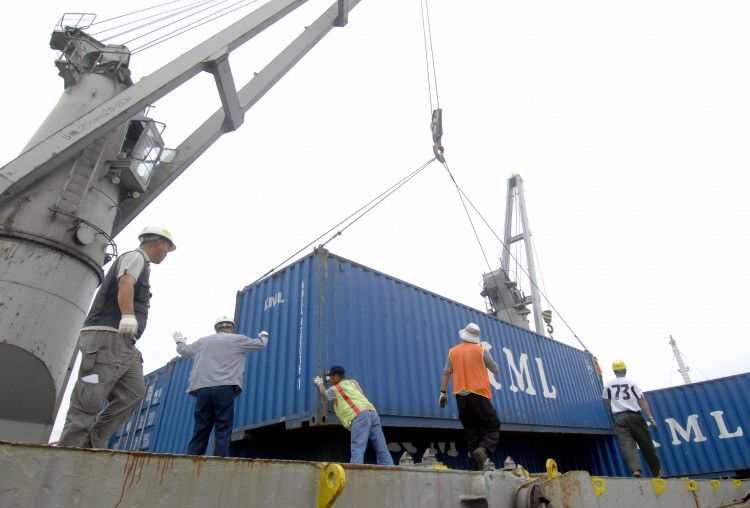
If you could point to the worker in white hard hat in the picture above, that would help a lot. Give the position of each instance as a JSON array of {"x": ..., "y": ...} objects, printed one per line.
[
  {"x": 468, "y": 362},
  {"x": 622, "y": 396},
  {"x": 216, "y": 379},
  {"x": 111, "y": 366}
]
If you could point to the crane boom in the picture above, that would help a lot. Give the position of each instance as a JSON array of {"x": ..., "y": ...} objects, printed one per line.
[{"x": 94, "y": 164}]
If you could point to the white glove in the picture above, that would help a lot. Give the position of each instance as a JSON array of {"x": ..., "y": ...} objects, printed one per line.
[
  {"x": 263, "y": 335},
  {"x": 178, "y": 338},
  {"x": 654, "y": 427},
  {"x": 318, "y": 380},
  {"x": 128, "y": 326},
  {"x": 443, "y": 400}
]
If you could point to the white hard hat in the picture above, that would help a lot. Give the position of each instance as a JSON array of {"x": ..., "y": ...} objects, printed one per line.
[
  {"x": 470, "y": 333},
  {"x": 156, "y": 231},
  {"x": 223, "y": 321}
]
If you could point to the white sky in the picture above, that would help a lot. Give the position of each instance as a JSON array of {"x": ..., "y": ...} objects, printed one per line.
[{"x": 627, "y": 121}]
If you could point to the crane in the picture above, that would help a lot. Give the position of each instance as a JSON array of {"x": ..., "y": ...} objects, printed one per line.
[{"x": 93, "y": 165}]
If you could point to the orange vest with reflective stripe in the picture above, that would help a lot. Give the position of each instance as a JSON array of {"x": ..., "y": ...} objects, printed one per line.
[
  {"x": 350, "y": 401},
  {"x": 469, "y": 371}
]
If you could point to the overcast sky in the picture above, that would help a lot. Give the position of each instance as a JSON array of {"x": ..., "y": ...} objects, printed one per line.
[{"x": 628, "y": 122}]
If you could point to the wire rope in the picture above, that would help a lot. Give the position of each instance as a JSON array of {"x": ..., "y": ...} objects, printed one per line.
[
  {"x": 359, "y": 213},
  {"x": 429, "y": 55},
  {"x": 166, "y": 24},
  {"x": 461, "y": 192}
]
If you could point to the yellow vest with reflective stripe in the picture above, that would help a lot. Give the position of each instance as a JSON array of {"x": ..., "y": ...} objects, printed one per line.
[{"x": 350, "y": 401}]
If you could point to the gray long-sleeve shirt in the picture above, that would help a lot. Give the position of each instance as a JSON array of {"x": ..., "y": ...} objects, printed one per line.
[{"x": 219, "y": 359}]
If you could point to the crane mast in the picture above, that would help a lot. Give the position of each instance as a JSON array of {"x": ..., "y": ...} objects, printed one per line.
[
  {"x": 92, "y": 166},
  {"x": 507, "y": 300},
  {"x": 678, "y": 356}
]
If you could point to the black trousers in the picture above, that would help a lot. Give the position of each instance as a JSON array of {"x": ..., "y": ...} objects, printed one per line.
[{"x": 480, "y": 421}]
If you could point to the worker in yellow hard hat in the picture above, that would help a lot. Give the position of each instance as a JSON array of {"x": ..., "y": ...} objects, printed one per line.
[{"x": 622, "y": 396}]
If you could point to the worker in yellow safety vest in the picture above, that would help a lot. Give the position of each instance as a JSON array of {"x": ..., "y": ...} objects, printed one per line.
[{"x": 356, "y": 414}]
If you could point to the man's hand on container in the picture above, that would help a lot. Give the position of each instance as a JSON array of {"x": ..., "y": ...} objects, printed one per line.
[
  {"x": 263, "y": 335},
  {"x": 443, "y": 399},
  {"x": 654, "y": 427},
  {"x": 128, "y": 326},
  {"x": 179, "y": 338},
  {"x": 318, "y": 380}
]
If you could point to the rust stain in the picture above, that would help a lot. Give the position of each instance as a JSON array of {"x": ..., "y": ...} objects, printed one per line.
[
  {"x": 133, "y": 471},
  {"x": 197, "y": 464},
  {"x": 164, "y": 464}
]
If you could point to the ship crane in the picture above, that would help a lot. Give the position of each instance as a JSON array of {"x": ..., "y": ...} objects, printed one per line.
[
  {"x": 93, "y": 165},
  {"x": 507, "y": 300},
  {"x": 678, "y": 356}
]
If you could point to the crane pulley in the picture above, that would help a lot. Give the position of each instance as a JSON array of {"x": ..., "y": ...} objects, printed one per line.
[{"x": 436, "y": 126}]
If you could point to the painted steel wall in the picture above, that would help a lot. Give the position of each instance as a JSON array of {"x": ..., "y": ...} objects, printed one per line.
[
  {"x": 393, "y": 338},
  {"x": 703, "y": 427}
]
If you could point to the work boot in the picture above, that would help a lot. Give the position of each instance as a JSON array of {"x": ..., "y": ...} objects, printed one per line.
[
  {"x": 480, "y": 456},
  {"x": 636, "y": 473}
]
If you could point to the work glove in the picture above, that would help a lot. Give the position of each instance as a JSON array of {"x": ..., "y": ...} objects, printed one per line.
[
  {"x": 178, "y": 338},
  {"x": 318, "y": 380},
  {"x": 128, "y": 326},
  {"x": 443, "y": 400},
  {"x": 263, "y": 335},
  {"x": 654, "y": 427}
]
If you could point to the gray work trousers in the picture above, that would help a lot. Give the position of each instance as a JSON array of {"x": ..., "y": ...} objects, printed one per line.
[
  {"x": 111, "y": 370},
  {"x": 631, "y": 429}
]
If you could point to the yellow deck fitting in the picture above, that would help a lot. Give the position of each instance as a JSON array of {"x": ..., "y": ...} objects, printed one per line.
[
  {"x": 737, "y": 483},
  {"x": 331, "y": 484},
  {"x": 552, "y": 469},
  {"x": 715, "y": 484},
  {"x": 599, "y": 485},
  {"x": 692, "y": 485},
  {"x": 659, "y": 486}
]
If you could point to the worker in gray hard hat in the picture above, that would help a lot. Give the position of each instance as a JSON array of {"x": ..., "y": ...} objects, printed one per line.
[
  {"x": 111, "y": 366},
  {"x": 216, "y": 379}
]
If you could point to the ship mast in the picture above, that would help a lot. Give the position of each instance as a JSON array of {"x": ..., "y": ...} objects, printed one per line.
[{"x": 678, "y": 356}]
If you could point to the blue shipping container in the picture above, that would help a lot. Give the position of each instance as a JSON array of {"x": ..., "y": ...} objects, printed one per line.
[
  {"x": 393, "y": 338},
  {"x": 702, "y": 427}
]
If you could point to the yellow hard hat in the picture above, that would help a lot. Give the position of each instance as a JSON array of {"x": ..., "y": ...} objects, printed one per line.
[{"x": 618, "y": 365}]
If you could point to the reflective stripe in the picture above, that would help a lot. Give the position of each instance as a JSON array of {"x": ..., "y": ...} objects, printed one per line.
[
  {"x": 355, "y": 402},
  {"x": 347, "y": 399}
]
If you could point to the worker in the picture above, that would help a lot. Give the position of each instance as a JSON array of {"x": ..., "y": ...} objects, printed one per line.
[
  {"x": 622, "y": 395},
  {"x": 469, "y": 362},
  {"x": 356, "y": 414},
  {"x": 216, "y": 379},
  {"x": 111, "y": 366}
]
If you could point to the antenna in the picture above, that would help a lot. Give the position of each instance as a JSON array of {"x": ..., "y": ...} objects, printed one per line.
[{"x": 678, "y": 356}]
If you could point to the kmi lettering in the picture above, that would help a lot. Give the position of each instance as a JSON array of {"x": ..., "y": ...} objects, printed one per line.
[{"x": 273, "y": 301}]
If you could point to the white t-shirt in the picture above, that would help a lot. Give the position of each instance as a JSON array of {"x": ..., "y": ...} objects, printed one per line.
[{"x": 624, "y": 394}]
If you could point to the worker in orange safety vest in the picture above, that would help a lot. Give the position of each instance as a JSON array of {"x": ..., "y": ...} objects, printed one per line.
[{"x": 469, "y": 362}]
